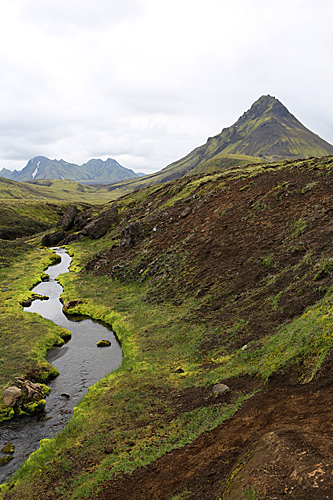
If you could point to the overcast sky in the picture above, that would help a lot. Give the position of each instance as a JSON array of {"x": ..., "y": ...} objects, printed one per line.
[{"x": 146, "y": 81}]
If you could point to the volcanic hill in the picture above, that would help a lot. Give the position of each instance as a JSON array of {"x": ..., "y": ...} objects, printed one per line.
[{"x": 266, "y": 132}]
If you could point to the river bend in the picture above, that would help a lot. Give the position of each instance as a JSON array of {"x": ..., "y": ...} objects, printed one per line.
[{"x": 80, "y": 363}]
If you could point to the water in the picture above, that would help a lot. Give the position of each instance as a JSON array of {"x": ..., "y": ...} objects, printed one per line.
[{"x": 80, "y": 363}]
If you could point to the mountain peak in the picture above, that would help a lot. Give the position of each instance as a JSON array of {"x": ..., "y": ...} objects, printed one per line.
[{"x": 265, "y": 106}]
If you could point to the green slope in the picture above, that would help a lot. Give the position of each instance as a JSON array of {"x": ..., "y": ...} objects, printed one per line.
[{"x": 60, "y": 190}]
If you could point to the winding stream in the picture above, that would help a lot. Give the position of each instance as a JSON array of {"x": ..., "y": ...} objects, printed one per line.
[{"x": 80, "y": 363}]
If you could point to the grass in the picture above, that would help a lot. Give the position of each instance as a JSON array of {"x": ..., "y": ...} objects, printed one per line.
[
  {"x": 25, "y": 338},
  {"x": 252, "y": 494},
  {"x": 63, "y": 191}
]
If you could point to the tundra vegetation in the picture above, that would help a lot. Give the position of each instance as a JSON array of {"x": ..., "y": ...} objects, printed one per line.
[{"x": 223, "y": 277}]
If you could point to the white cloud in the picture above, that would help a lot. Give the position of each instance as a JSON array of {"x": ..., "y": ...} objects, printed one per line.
[{"x": 146, "y": 81}]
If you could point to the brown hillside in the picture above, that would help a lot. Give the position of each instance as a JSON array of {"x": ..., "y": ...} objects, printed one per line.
[{"x": 255, "y": 248}]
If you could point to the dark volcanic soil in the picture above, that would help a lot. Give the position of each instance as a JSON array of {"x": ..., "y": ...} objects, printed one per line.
[{"x": 279, "y": 442}]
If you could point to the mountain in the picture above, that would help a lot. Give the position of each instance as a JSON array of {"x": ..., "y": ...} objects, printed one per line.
[
  {"x": 93, "y": 171},
  {"x": 266, "y": 132}
]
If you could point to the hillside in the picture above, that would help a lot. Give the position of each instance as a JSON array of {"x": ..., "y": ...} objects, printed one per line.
[
  {"x": 204, "y": 282},
  {"x": 94, "y": 171}
]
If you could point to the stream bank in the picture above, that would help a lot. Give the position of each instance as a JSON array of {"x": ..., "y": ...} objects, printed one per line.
[{"x": 80, "y": 364}]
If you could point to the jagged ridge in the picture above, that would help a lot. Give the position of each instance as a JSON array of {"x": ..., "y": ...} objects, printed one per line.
[{"x": 94, "y": 170}]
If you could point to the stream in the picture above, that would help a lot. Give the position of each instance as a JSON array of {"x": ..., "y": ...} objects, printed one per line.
[{"x": 80, "y": 364}]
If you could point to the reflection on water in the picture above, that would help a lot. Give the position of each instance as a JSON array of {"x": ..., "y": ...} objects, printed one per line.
[{"x": 80, "y": 363}]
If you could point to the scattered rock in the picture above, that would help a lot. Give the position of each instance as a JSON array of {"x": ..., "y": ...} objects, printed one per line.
[
  {"x": 9, "y": 448},
  {"x": 68, "y": 218},
  {"x": 69, "y": 304},
  {"x": 244, "y": 347},
  {"x": 32, "y": 391},
  {"x": 26, "y": 303},
  {"x": 131, "y": 234},
  {"x": 11, "y": 395},
  {"x": 220, "y": 389},
  {"x": 104, "y": 343},
  {"x": 185, "y": 212}
]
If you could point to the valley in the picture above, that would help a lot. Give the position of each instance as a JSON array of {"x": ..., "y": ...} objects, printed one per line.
[{"x": 220, "y": 277}]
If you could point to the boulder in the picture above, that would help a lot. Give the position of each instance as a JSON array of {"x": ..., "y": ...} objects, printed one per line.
[
  {"x": 11, "y": 395},
  {"x": 26, "y": 303},
  {"x": 131, "y": 234},
  {"x": 50, "y": 240},
  {"x": 30, "y": 389},
  {"x": 69, "y": 304},
  {"x": 96, "y": 228},
  {"x": 68, "y": 218},
  {"x": 220, "y": 389},
  {"x": 5, "y": 460}
]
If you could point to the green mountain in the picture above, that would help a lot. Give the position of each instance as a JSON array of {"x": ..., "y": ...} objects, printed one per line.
[
  {"x": 93, "y": 171},
  {"x": 266, "y": 132}
]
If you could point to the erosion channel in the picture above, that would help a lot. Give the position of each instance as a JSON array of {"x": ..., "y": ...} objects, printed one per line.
[{"x": 80, "y": 363}]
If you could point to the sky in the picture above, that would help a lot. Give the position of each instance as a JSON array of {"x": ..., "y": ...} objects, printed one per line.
[{"x": 147, "y": 81}]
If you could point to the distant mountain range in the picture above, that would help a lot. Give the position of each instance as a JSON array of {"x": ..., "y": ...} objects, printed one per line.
[{"x": 94, "y": 171}]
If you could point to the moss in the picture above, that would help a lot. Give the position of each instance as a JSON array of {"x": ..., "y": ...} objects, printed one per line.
[
  {"x": 5, "y": 460},
  {"x": 32, "y": 408},
  {"x": 104, "y": 343},
  {"x": 9, "y": 448},
  {"x": 6, "y": 413}
]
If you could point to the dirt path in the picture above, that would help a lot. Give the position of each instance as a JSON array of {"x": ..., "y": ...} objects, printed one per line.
[{"x": 279, "y": 442}]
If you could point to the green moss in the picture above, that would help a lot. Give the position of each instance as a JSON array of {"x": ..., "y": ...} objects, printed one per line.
[
  {"x": 6, "y": 412},
  {"x": 103, "y": 343},
  {"x": 9, "y": 448},
  {"x": 5, "y": 460},
  {"x": 32, "y": 408}
]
